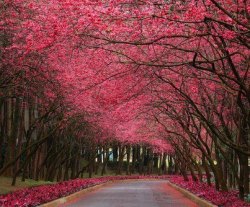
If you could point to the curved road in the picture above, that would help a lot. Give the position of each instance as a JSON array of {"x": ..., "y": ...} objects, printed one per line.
[{"x": 134, "y": 194}]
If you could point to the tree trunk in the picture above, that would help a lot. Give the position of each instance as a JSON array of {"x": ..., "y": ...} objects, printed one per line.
[
  {"x": 128, "y": 160},
  {"x": 206, "y": 168}
]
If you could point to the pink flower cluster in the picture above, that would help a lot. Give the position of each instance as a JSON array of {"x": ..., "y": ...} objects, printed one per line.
[
  {"x": 35, "y": 196},
  {"x": 225, "y": 199}
]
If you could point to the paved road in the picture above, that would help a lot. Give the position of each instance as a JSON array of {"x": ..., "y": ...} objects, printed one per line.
[{"x": 134, "y": 194}]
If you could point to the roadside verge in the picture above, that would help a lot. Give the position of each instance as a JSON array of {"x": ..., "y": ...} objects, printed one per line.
[
  {"x": 73, "y": 196},
  {"x": 199, "y": 201}
]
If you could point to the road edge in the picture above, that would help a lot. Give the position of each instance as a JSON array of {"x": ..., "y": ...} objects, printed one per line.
[
  {"x": 73, "y": 196},
  {"x": 196, "y": 199}
]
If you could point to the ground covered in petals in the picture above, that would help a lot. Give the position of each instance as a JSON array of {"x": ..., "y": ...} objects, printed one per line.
[{"x": 225, "y": 199}]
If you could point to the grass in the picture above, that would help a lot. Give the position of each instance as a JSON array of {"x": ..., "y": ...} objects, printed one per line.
[{"x": 5, "y": 184}]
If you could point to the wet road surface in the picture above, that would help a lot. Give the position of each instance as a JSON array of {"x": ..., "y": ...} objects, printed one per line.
[{"x": 133, "y": 194}]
